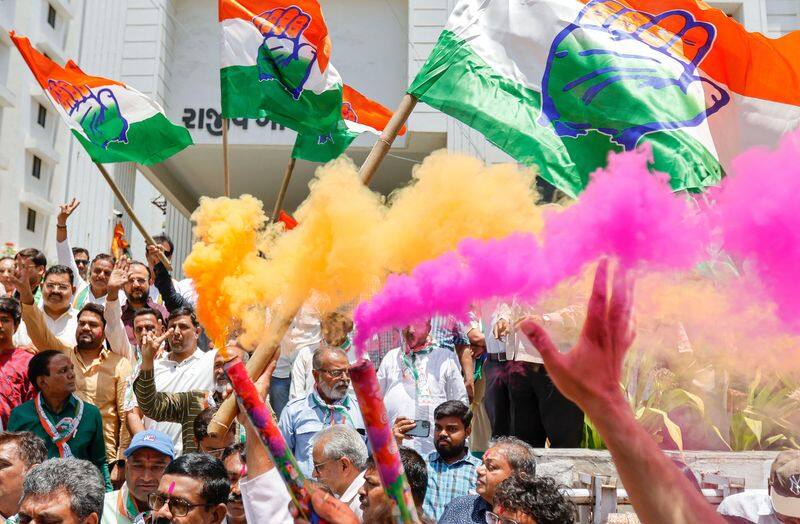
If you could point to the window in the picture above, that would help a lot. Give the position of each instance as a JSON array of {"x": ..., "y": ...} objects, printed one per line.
[
  {"x": 51, "y": 16},
  {"x": 36, "y": 168},
  {"x": 41, "y": 117},
  {"x": 31, "y": 224}
]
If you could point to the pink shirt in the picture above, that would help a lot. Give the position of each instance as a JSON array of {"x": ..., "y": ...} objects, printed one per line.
[{"x": 14, "y": 385}]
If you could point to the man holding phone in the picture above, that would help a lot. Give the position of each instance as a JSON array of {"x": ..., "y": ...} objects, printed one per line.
[{"x": 416, "y": 378}]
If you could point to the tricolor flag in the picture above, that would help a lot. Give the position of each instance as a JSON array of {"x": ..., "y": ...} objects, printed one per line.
[
  {"x": 359, "y": 114},
  {"x": 114, "y": 122},
  {"x": 275, "y": 64},
  {"x": 561, "y": 83}
]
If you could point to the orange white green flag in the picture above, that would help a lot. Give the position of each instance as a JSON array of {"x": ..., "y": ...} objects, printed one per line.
[
  {"x": 359, "y": 114},
  {"x": 113, "y": 122},
  {"x": 275, "y": 64},
  {"x": 560, "y": 83}
]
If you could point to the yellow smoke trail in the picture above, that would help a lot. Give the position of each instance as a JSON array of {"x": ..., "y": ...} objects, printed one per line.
[{"x": 348, "y": 238}]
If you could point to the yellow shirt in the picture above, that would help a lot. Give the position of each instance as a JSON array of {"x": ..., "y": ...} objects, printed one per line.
[{"x": 100, "y": 382}]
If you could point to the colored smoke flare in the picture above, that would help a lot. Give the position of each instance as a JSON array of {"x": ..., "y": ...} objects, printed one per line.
[
  {"x": 261, "y": 417},
  {"x": 381, "y": 440}
]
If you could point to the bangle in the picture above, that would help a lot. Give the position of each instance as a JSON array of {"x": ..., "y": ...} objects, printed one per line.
[{"x": 61, "y": 227}]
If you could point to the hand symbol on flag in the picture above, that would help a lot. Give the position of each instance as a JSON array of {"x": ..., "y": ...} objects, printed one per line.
[
  {"x": 96, "y": 112},
  {"x": 625, "y": 73},
  {"x": 283, "y": 56}
]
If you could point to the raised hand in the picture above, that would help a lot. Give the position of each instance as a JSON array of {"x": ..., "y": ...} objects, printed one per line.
[
  {"x": 402, "y": 425},
  {"x": 283, "y": 56},
  {"x": 97, "y": 112},
  {"x": 119, "y": 276},
  {"x": 66, "y": 210},
  {"x": 622, "y": 73},
  {"x": 589, "y": 374},
  {"x": 151, "y": 343},
  {"x": 21, "y": 281}
]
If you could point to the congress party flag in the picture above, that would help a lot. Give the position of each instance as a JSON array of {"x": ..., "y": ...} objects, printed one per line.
[
  {"x": 359, "y": 115},
  {"x": 275, "y": 64},
  {"x": 113, "y": 122},
  {"x": 560, "y": 83}
]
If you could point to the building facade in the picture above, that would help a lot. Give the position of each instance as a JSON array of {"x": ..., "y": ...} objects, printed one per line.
[{"x": 168, "y": 49}]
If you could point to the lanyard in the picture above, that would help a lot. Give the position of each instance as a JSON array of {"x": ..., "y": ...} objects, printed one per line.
[
  {"x": 410, "y": 362},
  {"x": 60, "y": 438},
  {"x": 333, "y": 408}
]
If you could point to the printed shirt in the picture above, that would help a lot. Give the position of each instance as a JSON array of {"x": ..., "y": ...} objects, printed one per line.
[
  {"x": 466, "y": 509},
  {"x": 302, "y": 418},
  {"x": 449, "y": 481},
  {"x": 194, "y": 373},
  {"x": 438, "y": 380},
  {"x": 14, "y": 385},
  {"x": 87, "y": 443},
  {"x": 128, "y": 312}
]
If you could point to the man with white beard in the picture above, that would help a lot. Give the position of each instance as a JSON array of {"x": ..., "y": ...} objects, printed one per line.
[{"x": 326, "y": 404}]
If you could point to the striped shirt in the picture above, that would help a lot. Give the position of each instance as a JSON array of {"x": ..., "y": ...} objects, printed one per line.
[
  {"x": 449, "y": 481},
  {"x": 447, "y": 332},
  {"x": 170, "y": 407}
]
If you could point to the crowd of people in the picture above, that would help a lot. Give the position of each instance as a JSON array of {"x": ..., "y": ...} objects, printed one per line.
[{"x": 108, "y": 386}]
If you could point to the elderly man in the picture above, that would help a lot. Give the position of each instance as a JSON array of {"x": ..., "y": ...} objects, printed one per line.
[
  {"x": 417, "y": 377},
  {"x": 327, "y": 404},
  {"x": 19, "y": 452},
  {"x": 69, "y": 426},
  {"x": 15, "y": 388},
  {"x": 101, "y": 375},
  {"x": 193, "y": 490},
  {"x": 55, "y": 311},
  {"x": 340, "y": 456},
  {"x": 69, "y": 491},
  {"x": 148, "y": 455},
  {"x": 505, "y": 457}
]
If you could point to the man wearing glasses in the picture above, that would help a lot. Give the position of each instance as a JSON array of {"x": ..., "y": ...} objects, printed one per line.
[
  {"x": 193, "y": 490},
  {"x": 326, "y": 405},
  {"x": 57, "y": 291}
]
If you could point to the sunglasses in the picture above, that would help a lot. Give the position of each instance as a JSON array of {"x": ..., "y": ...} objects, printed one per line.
[
  {"x": 177, "y": 507},
  {"x": 494, "y": 518}
]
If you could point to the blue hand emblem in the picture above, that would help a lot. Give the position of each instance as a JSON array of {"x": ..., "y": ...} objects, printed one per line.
[
  {"x": 97, "y": 112},
  {"x": 625, "y": 73},
  {"x": 283, "y": 56}
]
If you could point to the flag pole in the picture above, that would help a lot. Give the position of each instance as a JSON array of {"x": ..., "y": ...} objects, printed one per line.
[
  {"x": 129, "y": 210},
  {"x": 226, "y": 174},
  {"x": 287, "y": 176},
  {"x": 384, "y": 143}
]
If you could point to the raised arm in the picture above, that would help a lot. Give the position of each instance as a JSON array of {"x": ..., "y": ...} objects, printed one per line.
[
  {"x": 163, "y": 281},
  {"x": 589, "y": 375},
  {"x": 63, "y": 248},
  {"x": 40, "y": 335},
  {"x": 115, "y": 329}
]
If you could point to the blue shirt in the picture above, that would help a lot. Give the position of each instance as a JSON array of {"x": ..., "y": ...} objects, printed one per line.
[
  {"x": 302, "y": 418},
  {"x": 449, "y": 481},
  {"x": 466, "y": 509}
]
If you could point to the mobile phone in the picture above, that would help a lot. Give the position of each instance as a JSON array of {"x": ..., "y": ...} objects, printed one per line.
[{"x": 422, "y": 429}]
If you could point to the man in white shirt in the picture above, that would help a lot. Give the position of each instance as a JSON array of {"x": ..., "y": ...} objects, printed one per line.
[
  {"x": 60, "y": 317},
  {"x": 416, "y": 378},
  {"x": 340, "y": 457},
  {"x": 94, "y": 291}
]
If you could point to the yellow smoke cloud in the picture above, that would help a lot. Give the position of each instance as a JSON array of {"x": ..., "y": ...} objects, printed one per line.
[{"x": 348, "y": 238}]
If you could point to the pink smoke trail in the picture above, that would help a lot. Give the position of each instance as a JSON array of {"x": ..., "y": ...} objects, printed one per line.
[
  {"x": 626, "y": 212},
  {"x": 757, "y": 212}
]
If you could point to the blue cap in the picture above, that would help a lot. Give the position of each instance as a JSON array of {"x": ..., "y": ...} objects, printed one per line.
[{"x": 151, "y": 439}]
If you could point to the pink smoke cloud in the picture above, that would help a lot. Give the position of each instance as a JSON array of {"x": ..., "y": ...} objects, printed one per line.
[{"x": 626, "y": 212}]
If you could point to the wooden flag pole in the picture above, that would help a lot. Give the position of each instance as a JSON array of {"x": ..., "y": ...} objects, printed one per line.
[
  {"x": 287, "y": 176},
  {"x": 388, "y": 135},
  {"x": 281, "y": 320},
  {"x": 128, "y": 209},
  {"x": 225, "y": 173}
]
